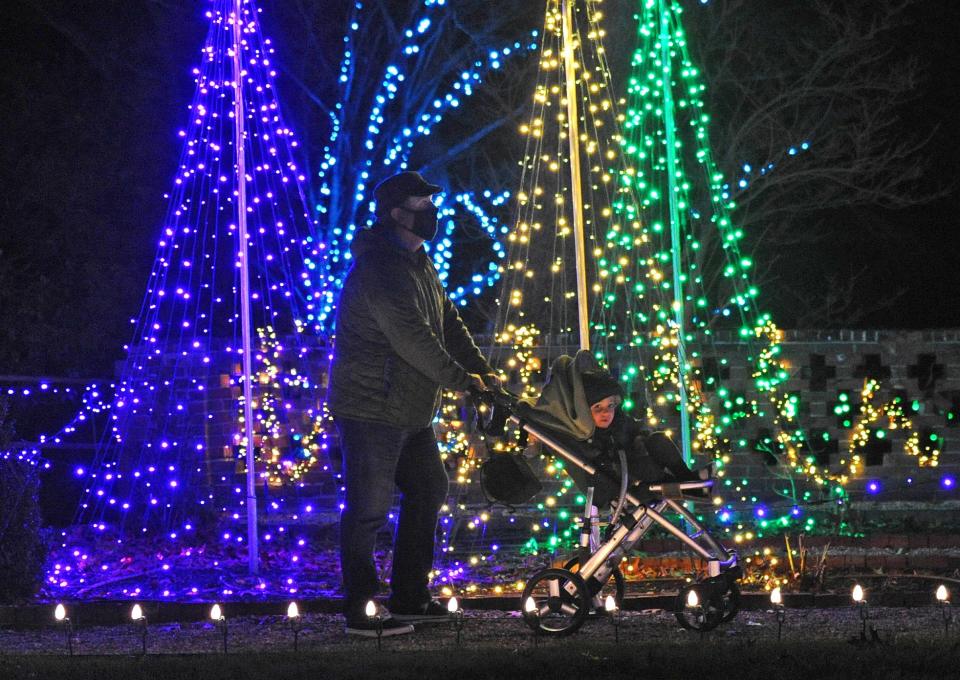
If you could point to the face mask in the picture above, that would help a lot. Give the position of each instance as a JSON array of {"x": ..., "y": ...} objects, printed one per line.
[{"x": 425, "y": 223}]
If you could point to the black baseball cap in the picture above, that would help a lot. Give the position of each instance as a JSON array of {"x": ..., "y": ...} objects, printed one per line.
[{"x": 394, "y": 190}]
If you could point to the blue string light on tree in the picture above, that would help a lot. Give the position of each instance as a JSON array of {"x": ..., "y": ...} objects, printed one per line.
[
  {"x": 166, "y": 463},
  {"x": 399, "y": 109}
]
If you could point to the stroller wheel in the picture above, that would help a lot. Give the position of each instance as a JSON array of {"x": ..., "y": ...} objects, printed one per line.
[
  {"x": 561, "y": 602},
  {"x": 713, "y": 606},
  {"x": 617, "y": 587},
  {"x": 731, "y": 603}
]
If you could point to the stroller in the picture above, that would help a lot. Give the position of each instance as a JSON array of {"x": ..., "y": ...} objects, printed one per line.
[{"x": 557, "y": 601}]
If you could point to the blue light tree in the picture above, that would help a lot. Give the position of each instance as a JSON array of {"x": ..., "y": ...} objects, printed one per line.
[
  {"x": 172, "y": 454},
  {"x": 391, "y": 99},
  {"x": 172, "y": 436}
]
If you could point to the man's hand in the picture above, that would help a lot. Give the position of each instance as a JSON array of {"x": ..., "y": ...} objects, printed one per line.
[
  {"x": 476, "y": 382},
  {"x": 492, "y": 381}
]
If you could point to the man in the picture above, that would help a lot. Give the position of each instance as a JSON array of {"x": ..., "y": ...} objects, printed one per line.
[{"x": 399, "y": 341}]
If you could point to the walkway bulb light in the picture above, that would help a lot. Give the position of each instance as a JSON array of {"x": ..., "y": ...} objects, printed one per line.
[
  {"x": 140, "y": 620},
  {"x": 776, "y": 599},
  {"x": 60, "y": 615},
  {"x": 220, "y": 622},
  {"x": 456, "y": 615},
  {"x": 613, "y": 611},
  {"x": 532, "y": 611},
  {"x": 373, "y": 613},
  {"x": 693, "y": 603},
  {"x": 946, "y": 609},
  {"x": 861, "y": 601},
  {"x": 295, "y": 623}
]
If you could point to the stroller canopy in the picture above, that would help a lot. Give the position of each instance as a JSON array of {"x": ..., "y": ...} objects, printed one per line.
[{"x": 562, "y": 405}]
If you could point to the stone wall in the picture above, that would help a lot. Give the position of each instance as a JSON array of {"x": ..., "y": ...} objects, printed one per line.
[{"x": 922, "y": 368}]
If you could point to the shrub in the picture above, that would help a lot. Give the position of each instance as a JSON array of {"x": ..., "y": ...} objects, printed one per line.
[{"x": 22, "y": 546}]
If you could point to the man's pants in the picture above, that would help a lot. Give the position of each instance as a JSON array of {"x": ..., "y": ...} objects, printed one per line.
[{"x": 376, "y": 459}]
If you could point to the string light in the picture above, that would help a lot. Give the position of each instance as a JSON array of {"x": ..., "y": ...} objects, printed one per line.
[
  {"x": 390, "y": 137},
  {"x": 154, "y": 470}
]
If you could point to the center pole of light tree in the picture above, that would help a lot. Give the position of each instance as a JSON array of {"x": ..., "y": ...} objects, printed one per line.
[
  {"x": 243, "y": 258},
  {"x": 573, "y": 137},
  {"x": 675, "y": 242}
]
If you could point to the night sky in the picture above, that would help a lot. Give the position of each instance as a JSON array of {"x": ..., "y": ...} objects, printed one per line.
[
  {"x": 903, "y": 258},
  {"x": 94, "y": 92},
  {"x": 911, "y": 252}
]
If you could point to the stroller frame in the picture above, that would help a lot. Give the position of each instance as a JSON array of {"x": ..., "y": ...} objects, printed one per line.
[{"x": 558, "y": 601}]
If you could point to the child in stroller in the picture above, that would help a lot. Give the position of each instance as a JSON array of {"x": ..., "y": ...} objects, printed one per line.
[
  {"x": 604, "y": 436},
  {"x": 650, "y": 456},
  {"x": 577, "y": 418}
]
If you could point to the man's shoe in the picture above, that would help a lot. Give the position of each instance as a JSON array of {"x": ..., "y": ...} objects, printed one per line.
[
  {"x": 431, "y": 612},
  {"x": 367, "y": 627}
]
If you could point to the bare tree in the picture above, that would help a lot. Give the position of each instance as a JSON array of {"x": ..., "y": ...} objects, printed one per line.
[
  {"x": 808, "y": 102},
  {"x": 841, "y": 305},
  {"x": 436, "y": 89}
]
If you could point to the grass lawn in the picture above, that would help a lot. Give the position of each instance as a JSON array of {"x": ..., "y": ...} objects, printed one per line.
[{"x": 564, "y": 658}]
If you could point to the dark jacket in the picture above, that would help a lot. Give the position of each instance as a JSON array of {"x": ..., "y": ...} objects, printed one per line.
[
  {"x": 650, "y": 458},
  {"x": 399, "y": 339},
  {"x": 622, "y": 434}
]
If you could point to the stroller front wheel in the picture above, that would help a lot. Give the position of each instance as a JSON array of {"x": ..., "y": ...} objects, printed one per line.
[
  {"x": 555, "y": 602},
  {"x": 714, "y": 606}
]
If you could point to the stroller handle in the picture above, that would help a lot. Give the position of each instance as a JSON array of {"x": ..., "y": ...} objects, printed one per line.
[
  {"x": 493, "y": 395},
  {"x": 494, "y": 407}
]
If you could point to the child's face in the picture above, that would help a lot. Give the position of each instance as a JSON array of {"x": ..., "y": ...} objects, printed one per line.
[{"x": 604, "y": 411}]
